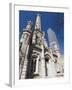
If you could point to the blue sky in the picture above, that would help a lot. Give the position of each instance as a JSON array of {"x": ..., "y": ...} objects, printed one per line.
[{"x": 52, "y": 20}]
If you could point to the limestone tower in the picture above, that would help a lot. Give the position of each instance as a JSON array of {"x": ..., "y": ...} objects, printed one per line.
[
  {"x": 23, "y": 50},
  {"x": 38, "y": 50}
]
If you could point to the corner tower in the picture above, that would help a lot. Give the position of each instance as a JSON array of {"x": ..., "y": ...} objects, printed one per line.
[{"x": 23, "y": 50}]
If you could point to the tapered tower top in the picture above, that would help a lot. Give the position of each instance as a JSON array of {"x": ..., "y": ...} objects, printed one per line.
[
  {"x": 29, "y": 25},
  {"x": 38, "y": 22}
]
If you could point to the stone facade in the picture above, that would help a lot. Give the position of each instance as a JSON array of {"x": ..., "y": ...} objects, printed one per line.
[{"x": 36, "y": 59}]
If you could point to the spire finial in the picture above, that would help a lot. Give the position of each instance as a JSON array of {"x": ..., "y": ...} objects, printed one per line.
[{"x": 38, "y": 22}]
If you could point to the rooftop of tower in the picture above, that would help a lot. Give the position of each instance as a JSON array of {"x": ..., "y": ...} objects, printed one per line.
[{"x": 38, "y": 22}]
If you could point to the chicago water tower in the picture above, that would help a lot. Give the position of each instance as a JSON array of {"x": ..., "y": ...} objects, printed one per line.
[{"x": 36, "y": 58}]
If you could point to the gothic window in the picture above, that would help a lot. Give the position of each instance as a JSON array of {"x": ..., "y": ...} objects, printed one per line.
[
  {"x": 46, "y": 68},
  {"x": 34, "y": 65}
]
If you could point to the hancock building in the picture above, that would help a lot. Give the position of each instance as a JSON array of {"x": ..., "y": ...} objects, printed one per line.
[{"x": 36, "y": 59}]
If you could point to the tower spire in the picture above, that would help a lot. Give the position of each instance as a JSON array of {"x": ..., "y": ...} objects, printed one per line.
[{"x": 38, "y": 22}]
